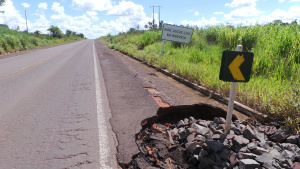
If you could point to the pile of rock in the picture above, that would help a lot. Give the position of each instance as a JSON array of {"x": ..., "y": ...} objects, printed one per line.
[{"x": 202, "y": 144}]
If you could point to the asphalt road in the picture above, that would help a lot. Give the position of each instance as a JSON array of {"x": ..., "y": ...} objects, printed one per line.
[
  {"x": 79, "y": 105},
  {"x": 54, "y": 111}
]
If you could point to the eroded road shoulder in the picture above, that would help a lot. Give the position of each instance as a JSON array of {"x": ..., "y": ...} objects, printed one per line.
[{"x": 135, "y": 92}]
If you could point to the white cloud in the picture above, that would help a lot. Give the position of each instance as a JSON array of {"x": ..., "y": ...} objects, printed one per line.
[
  {"x": 25, "y": 5},
  {"x": 244, "y": 9},
  {"x": 196, "y": 13},
  {"x": 243, "y": 13},
  {"x": 289, "y": 0},
  {"x": 41, "y": 24},
  {"x": 11, "y": 17},
  {"x": 285, "y": 16},
  {"x": 218, "y": 13},
  {"x": 100, "y": 5},
  {"x": 242, "y": 3},
  {"x": 130, "y": 15},
  {"x": 202, "y": 22},
  {"x": 57, "y": 8},
  {"x": 126, "y": 8},
  {"x": 43, "y": 6},
  {"x": 93, "y": 15}
]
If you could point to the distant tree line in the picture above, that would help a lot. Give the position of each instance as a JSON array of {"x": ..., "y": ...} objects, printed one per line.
[{"x": 57, "y": 33}]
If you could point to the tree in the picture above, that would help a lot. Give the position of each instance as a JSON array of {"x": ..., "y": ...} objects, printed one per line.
[
  {"x": 68, "y": 33},
  {"x": 55, "y": 31},
  {"x": 37, "y": 33},
  {"x": 2, "y": 2}
]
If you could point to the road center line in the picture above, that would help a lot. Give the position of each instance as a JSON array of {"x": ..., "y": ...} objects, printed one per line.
[
  {"x": 104, "y": 149},
  {"x": 30, "y": 66}
]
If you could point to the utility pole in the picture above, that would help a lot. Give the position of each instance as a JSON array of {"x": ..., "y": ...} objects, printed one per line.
[
  {"x": 153, "y": 17},
  {"x": 158, "y": 15},
  {"x": 26, "y": 21}
]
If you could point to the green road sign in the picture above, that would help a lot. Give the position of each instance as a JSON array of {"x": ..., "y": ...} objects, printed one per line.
[{"x": 236, "y": 66}]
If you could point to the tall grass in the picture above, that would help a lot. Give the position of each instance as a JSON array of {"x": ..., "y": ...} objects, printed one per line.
[
  {"x": 13, "y": 41},
  {"x": 274, "y": 87}
]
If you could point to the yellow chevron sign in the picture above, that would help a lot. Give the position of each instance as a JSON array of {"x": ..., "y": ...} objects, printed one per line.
[{"x": 236, "y": 66}]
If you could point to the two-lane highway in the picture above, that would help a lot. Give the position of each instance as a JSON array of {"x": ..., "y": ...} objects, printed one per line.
[{"x": 53, "y": 110}]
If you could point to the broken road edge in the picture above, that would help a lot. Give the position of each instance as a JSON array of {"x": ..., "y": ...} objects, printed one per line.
[{"x": 237, "y": 106}]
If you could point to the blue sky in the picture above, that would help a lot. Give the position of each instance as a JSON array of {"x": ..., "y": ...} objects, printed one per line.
[{"x": 95, "y": 18}]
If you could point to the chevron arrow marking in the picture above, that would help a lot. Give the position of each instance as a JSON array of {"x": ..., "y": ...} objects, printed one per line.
[{"x": 234, "y": 68}]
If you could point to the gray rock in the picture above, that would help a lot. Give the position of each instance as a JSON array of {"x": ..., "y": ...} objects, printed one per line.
[
  {"x": 190, "y": 138},
  {"x": 269, "y": 165},
  {"x": 296, "y": 158},
  {"x": 222, "y": 120},
  {"x": 216, "y": 167},
  {"x": 215, "y": 145},
  {"x": 212, "y": 125},
  {"x": 199, "y": 138},
  {"x": 194, "y": 160},
  {"x": 249, "y": 155},
  {"x": 286, "y": 163},
  {"x": 180, "y": 124},
  {"x": 204, "y": 123},
  {"x": 216, "y": 120},
  {"x": 265, "y": 158},
  {"x": 239, "y": 140},
  {"x": 248, "y": 164},
  {"x": 225, "y": 164},
  {"x": 192, "y": 146},
  {"x": 186, "y": 121},
  {"x": 170, "y": 138},
  {"x": 217, "y": 160},
  {"x": 278, "y": 136},
  {"x": 248, "y": 133},
  {"x": 275, "y": 153},
  {"x": 203, "y": 153},
  {"x": 238, "y": 148},
  {"x": 200, "y": 129},
  {"x": 224, "y": 154},
  {"x": 191, "y": 119},
  {"x": 181, "y": 129},
  {"x": 258, "y": 151},
  {"x": 208, "y": 137},
  {"x": 237, "y": 131},
  {"x": 287, "y": 154},
  {"x": 233, "y": 159},
  {"x": 290, "y": 147},
  {"x": 252, "y": 145},
  {"x": 293, "y": 139},
  {"x": 184, "y": 134},
  {"x": 205, "y": 162},
  {"x": 174, "y": 132},
  {"x": 261, "y": 137}
]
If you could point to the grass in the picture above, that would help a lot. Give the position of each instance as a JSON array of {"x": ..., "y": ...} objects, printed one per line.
[
  {"x": 13, "y": 41},
  {"x": 274, "y": 87}
]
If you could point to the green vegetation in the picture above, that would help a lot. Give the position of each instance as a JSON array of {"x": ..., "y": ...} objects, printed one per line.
[
  {"x": 13, "y": 40},
  {"x": 274, "y": 87}
]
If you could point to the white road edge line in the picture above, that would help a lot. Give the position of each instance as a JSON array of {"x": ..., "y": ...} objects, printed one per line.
[{"x": 104, "y": 149}]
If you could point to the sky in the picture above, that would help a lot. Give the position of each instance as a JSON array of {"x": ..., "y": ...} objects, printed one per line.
[{"x": 96, "y": 18}]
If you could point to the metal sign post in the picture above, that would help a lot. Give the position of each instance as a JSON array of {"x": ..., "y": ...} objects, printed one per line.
[
  {"x": 231, "y": 99},
  {"x": 162, "y": 50},
  {"x": 235, "y": 67},
  {"x": 184, "y": 48}
]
